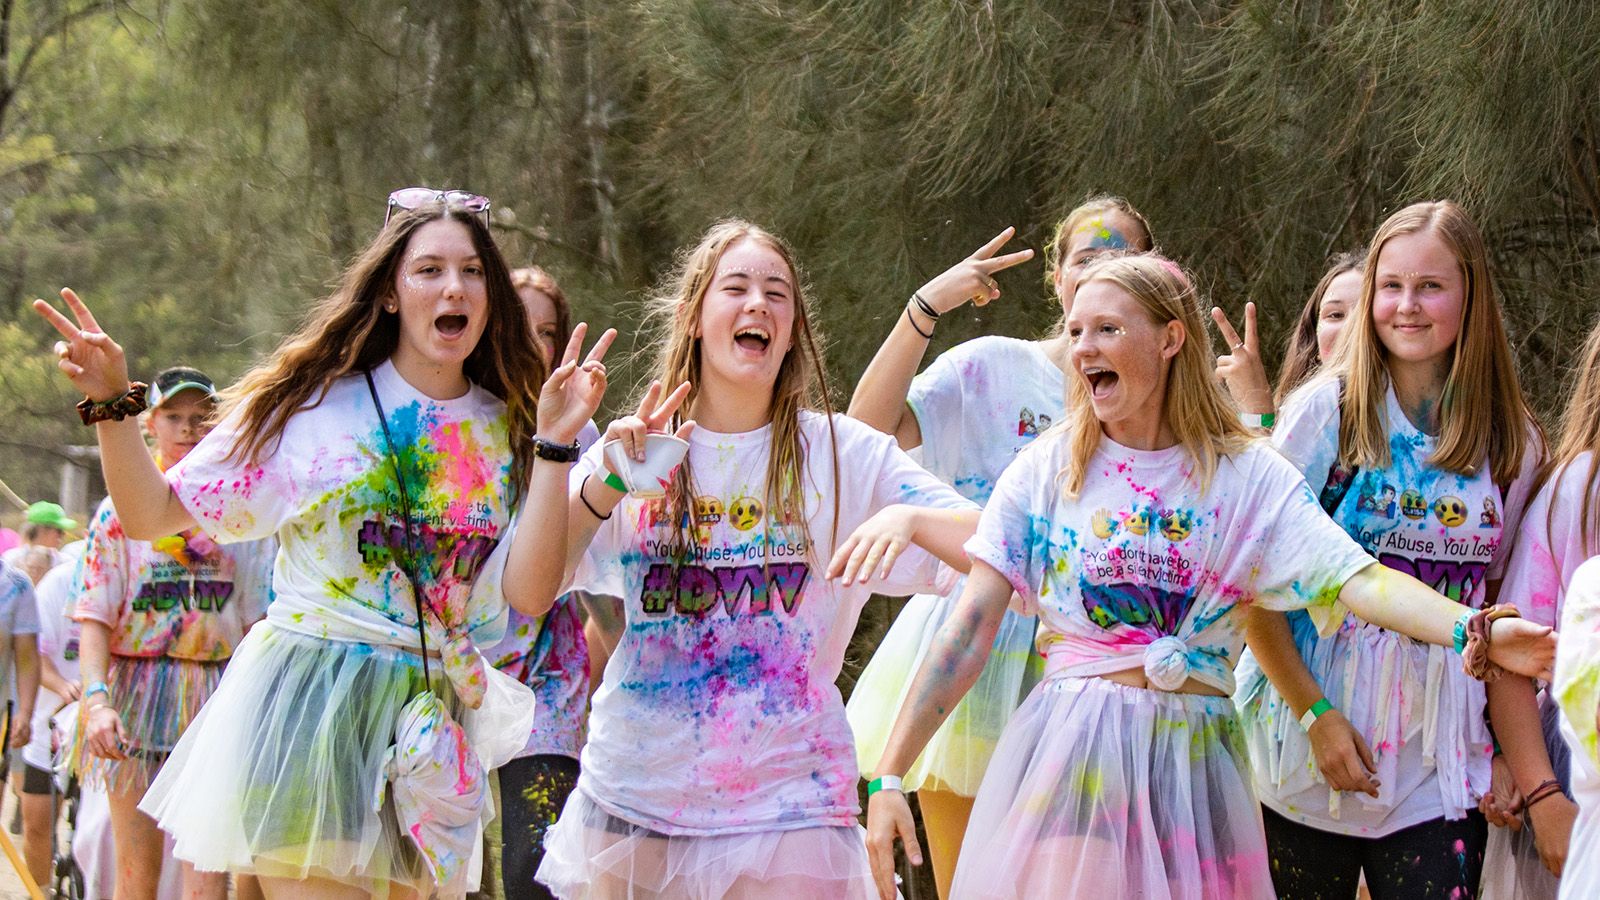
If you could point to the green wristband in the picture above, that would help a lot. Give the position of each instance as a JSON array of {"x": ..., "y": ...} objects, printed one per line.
[
  {"x": 886, "y": 783},
  {"x": 612, "y": 481},
  {"x": 1315, "y": 713},
  {"x": 1461, "y": 632}
]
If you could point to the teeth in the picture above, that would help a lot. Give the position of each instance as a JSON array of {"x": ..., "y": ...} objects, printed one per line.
[{"x": 753, "y": 332}]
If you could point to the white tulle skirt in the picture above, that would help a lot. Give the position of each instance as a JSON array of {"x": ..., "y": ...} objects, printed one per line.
[
  {"x": 280, "y": 774},
  {"x": 958, "y": 754},
  {"x": 1106, "y": 791},
  {"x": 592, "y": 854}
]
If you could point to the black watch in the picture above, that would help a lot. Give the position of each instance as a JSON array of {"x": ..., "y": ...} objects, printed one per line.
[{"x": 561, "y": 453}]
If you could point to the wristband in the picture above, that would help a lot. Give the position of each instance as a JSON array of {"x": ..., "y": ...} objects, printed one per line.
[
  {"x": 1263, "y": 420},
  {"x": 615, "y": 483},
  {"x": 1315, "y": 713},
  {"x": 884, "y": 783},
  {"x": 1544, "y": 791},
  {"x": 1461, "y": 632},
  {"x": 98, "y": 687}
]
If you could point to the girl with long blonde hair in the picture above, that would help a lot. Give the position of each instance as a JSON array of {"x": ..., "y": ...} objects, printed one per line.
[
  {"x": 1143, "y": 534},
  {"x": 970, "y": 412},
  {"x": 719, "y": 761},
  {"x": 1371, "y": 749},
  {"x": 386, "y": 444}
]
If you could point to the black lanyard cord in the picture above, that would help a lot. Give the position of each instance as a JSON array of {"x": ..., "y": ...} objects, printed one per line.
[{"x": 409, "y": 561}]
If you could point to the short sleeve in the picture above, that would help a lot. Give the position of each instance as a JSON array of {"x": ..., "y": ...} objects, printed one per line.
[
  {"x": 898, "y": 479},
  {"x": 1010, "y": 538},
  {"x": 600, "y": 570},
  {"x": 51, "y": 598},
  {"x": 1577, "y": 678},
  {"x": 102, "y": 575},
  {"x": 1307, "y": 430},
  {"x": 1301, "y": 558},
  {"x": 1515, "y": 502},
  {"x": 232, "y": 500},
  {"x": 935, "y": 399},
  {"x": 1532, "y": 578},
  {"x": 24, "y": 609}
]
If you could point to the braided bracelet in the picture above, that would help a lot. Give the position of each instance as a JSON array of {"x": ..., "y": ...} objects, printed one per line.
[
  {"x": 129, "y": 403},
  {"x": 1544, "y": 791},
  {"x": 1475, "y": 649}
]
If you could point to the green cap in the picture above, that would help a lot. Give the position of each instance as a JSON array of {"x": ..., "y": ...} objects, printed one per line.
[{"x": 51, "y": 515}]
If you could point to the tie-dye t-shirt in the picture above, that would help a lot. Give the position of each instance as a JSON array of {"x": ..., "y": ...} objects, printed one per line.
[
  {"x": 328, "y": 491},
  {"x": 549, "y": 654},
  {"x": 1144, "y": 570},
  {"x": 718, "y": 713},
  {"x": 1577, "y": 690},
  {"x": 998, "y": 393},
  {"x": 1549, "y": 545},
  {"x": 1421, "y": 716},
  {"x": 156, "y": 604}
]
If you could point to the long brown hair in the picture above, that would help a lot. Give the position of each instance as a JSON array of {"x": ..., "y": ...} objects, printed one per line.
[
  {"x": 1580, "y": 434},
  {"x": 1482, "y": 411},
  {"x": 1201, "y": 414},
  {"x": 349, "y": 331},
  {"x": 801, "y": 384},
  {"x": 1300, "y": 357}
]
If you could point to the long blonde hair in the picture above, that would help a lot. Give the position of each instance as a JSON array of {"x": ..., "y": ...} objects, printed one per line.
[
  {"x": 801, "y": 384},
  {"x": 1580, "y": 433},
  {"x": 1482, "y": 410},
  {"x": 1202, "y": 416}
]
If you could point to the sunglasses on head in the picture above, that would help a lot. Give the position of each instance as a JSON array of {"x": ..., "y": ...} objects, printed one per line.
[{"x": 413, "y": 197}]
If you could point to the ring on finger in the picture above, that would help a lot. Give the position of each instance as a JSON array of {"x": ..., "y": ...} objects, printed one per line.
[{"x": 1239, "y": 346}]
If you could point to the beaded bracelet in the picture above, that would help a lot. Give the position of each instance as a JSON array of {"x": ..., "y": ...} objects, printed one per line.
[{"x": 129, "y": 403}]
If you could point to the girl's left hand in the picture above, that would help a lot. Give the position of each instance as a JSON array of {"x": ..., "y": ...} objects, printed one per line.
[
  {"x": 1241, "y": 368},
  {"x": 1501, "y": 804},
  {"x": 574, "y": 390},
  {"x": 872, "y": 549},
  {"x": 1523, "y": 647}
]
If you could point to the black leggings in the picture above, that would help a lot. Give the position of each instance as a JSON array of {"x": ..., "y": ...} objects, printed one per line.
[
  {"x": 533, "y": 790},
  {"x": 1442, "y": 859}
]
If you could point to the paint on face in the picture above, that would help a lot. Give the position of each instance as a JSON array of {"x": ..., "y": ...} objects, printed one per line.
[
  {"x": 1419, "y": 298},
  {"x": 1123, "y": 357},
  {"x": 747, "y": 319},
  {"x": 441, "y": 296},
  {"x": 1099, "y": 235}
]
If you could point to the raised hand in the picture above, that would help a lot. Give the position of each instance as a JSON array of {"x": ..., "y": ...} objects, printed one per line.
[
  {"x": 1520, "y": 646},
  {"x": 972, "y": 278},
  {"x": 653, "y": 416},
  {"x": 1342, "y": 754},
  {"x": 88, "y": 356},
  {"x": 1241, "y": 368},
  {"x": 574, "y": 389}
]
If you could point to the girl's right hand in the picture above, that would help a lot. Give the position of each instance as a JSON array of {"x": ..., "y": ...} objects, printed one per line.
[
  {"x": 1342, "y": 754},
  {"x": 651, "y": 418},
  {"x": 889, "y": 817},
  {"x": 103, "y": 734},
  {"x": 971, "y": 278},
  {"x": 90, "y": 358}
]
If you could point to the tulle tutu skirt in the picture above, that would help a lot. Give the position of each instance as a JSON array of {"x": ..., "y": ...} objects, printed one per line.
[
  {"x": 281, "y": 773},
  {"x": 956, "y": 757},
  {"x": 594, "y": 855},
  {"x": 157, "y": 697},
  {"x": 1107, "y": 791}
]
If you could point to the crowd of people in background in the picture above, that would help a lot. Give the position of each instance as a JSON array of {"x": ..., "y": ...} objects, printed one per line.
[{"x": 1176, "y": 630}]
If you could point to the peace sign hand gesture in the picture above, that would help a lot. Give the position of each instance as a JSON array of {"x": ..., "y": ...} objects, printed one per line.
[
  {"x": 1241, "y": 368},
  {"x": 654, "y": 416},
  {"x": 972, "y": 278},
  {"x": 574, "y": 390},
  {"x": 90, "y": 358}
]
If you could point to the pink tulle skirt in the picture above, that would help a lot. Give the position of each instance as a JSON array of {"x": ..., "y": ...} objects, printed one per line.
[
  {"x": 590, "y": 853},
  {"x": 1106, "y": 791}
]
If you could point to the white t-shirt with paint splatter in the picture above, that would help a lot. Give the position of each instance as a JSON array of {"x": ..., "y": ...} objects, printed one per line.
[
  {"x": 1420, "y": 715},
  {"x": 328, "y": 491},
  {"x": 718, "y": 713},
  {"x": 1144, "y": 569}
]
